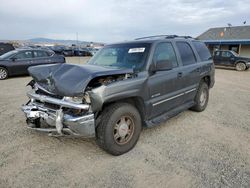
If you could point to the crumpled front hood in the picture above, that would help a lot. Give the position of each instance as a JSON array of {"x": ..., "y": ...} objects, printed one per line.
[{"x": 70, "y": 80}]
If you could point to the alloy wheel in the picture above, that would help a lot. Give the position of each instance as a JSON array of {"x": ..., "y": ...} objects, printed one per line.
[
  {"x": 240, "y": 67},
  {"x": 3, "y": 74},
  {"x": 123, "y": 130},
  {"x": 203, "y": 97}
]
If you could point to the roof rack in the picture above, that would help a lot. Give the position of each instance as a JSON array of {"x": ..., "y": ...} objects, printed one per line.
[{"x": 165, "y": 37}]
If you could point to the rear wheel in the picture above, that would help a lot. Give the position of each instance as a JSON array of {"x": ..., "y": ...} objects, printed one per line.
[
  {"x": 3, "y": 73},
  {"x": 119, "y": 128},
  {"x": 201, "y": 98},
  {"x": 241, "y": 66}
]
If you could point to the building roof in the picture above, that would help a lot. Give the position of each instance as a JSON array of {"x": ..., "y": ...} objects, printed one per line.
[
  {"x": 228, "y": 42},
  {"x": 226, "y": 33}
]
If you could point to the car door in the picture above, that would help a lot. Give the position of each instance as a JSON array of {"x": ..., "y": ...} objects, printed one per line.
[
  {"x": 217, "y": 58},
  {"x": 40, "y": 58},
  {"x": 21, "y": 62},
  {"x": 190, "y": 71},
  {"x": 164, "y": 86},
  {"x": 226, "y": 58}
]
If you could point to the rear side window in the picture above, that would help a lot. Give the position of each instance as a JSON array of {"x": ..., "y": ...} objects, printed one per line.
[
  {"x": 202, "y": 50},
  {"x": 40, "y": 54},
  {"x": 186, "y": 53},
  {"x": 165, "y": 52},
  {"x": 226, "y": 54}
]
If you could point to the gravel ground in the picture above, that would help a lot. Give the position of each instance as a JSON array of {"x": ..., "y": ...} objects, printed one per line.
[{"x": 208, "y": 149}]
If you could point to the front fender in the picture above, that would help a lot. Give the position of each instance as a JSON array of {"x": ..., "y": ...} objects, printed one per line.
[{"x": 115, "y": 91}]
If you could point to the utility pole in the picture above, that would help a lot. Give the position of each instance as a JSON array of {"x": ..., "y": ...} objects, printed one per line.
[{"x": 77, "y": 46}]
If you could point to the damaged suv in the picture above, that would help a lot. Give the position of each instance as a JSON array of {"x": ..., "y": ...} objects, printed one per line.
[{"x": 124, "y": 87}]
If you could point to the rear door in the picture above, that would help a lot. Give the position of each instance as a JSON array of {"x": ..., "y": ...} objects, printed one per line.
[
  {"x": 40, "y": 57},
  {"x": 190, "y": 70},
  {"x": 227, "y": 58},
  {"x": 164, "y": 86}
]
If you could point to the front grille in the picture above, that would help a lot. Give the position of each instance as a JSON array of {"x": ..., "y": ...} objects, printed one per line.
[{"x": 42, "y": 92}]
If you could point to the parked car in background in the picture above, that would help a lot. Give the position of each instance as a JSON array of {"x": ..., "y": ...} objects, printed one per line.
[
  {"x": 57, "y": 49},
  {"x": 68, "y": 52},
  {"x": 5, "y": 47},
  {"x": 231, "y": 59},
  {"x": 16, "y": 62},
  {"x": 82, "y": 52},
  {"x": 93, "y": 51}
]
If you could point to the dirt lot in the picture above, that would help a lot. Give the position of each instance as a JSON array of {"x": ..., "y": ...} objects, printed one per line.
[{"x": 208, "y": 149}]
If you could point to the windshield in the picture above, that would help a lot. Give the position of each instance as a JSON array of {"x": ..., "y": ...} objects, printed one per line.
[
  {"x": 234, "y": 53},
  {"x": 122, "y": 56},
  {"x": 8, "y": 54}
]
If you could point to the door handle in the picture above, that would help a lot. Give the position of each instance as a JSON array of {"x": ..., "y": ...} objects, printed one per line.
[{"x": 179, "y": 74}]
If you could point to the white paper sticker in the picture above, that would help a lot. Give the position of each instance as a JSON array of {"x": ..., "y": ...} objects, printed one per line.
[{"x": 136, "y": 50}]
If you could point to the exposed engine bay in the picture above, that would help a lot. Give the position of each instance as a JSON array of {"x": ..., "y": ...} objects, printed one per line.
[{"x": 107, "y": 80}]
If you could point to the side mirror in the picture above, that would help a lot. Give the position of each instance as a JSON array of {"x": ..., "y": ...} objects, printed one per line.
[
  {"x": 13, "y": 59},
  {"x": 163, "y": 65}
]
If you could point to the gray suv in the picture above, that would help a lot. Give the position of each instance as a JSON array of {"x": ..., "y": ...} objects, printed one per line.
[{"x": 124, "y": 87}]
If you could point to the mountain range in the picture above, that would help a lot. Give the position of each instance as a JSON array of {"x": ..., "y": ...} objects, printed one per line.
[{"x": 56, "y": 41}]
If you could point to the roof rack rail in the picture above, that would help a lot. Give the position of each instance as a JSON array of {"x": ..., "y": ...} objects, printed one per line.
[
  {"x": 165, "y": 36},
  {"x": 157, "y": 36},
  {"x": 186, "y": 37}
]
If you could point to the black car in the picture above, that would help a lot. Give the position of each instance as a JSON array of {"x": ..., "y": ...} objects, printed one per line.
[
  {"x": 5, "y": 47},
  {"x": 82, "y": 52},
  {"x": 58, "y": 49},
  {"x": 123, "y": 87},
  {"x": 231, "y": 59},
  {"x": 17, "y": 62},
  {"x": 68, "y": 52}
]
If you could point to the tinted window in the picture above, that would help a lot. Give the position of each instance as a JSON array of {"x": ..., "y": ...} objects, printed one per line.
[
  {"x": 24, "y": 55},
  {"x": 165, "y": 52},
  {"x": 217, "y": 53},
  {"x": 225, "y": 54},
  {"x": 40, "y": 54},
  {"x": 186, "y": 53},
  {"x": 202, "y": 50}
]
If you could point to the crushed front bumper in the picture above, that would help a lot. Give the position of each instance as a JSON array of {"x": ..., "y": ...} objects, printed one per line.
[{"x": 56, "y": 121}]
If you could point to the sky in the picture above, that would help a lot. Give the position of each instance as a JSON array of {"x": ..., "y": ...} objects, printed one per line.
[{"x": 116, "y": 20}]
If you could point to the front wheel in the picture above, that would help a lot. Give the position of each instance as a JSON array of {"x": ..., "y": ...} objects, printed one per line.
[
  {"x": 241, "y": 66},
  {"x": 119, "y": 128},
  {"x": 201, "y": 98},
  {"x": 3, "y": 73}
]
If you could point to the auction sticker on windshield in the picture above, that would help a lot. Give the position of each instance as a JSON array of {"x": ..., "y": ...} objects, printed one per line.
[{"x": 136, "y": 50}]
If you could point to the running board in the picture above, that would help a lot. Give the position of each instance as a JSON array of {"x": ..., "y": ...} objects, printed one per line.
[{"x": 164, "y": 117}]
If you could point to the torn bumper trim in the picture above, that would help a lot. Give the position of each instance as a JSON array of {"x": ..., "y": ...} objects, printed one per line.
[
  {"x": 60, "y": 102},
  {"x": 60, "y": 124}
]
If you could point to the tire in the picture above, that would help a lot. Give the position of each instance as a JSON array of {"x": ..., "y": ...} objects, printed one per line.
[
  {"x": 119, "y": 128},
  {"x": 3, "y": 73},
  {"x": 241, "y": 66},
  {"x": 201, "y": 98}
]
